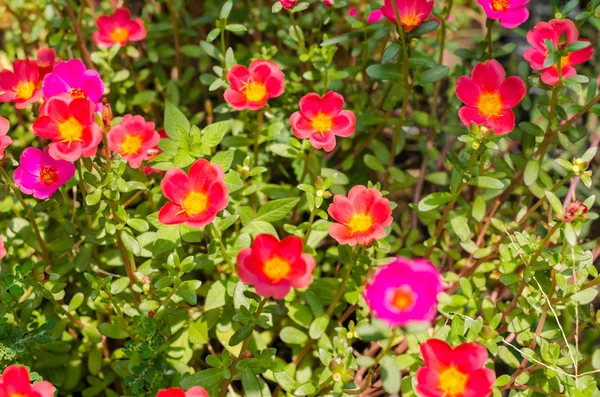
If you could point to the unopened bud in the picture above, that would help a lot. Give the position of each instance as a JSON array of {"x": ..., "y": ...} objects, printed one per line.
[{"x": 107, "y": 115}]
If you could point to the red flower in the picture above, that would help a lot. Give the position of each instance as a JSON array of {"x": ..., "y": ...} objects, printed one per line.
[
  {"x": 288, "y": 4},
  {"x": 154, "y": 152},
  {"x": 70, "y": 126},
  {"x": 20, "y": 86},
  {"x": 561, "y": 32},
  {"x": 321, "y": 119},
  {"x": 412, "y": 13},
  {"x": 195, "y": 391},
  {"x": 15, "y": 382},
  {"x": 195, "y": 198},
  {"x": 5, "y": 140},
  {"x": 252, "y": 87},
  {"x": 119, "y": 29},
  {"x": 132, "y": 138},
  {"x": 458, "y": 372},
  {"x": 362, "y": 216},
  {"x": 273, "y": 267},
  {"x": 489, "y": 97},
  {"x": 46, "y": 59}
]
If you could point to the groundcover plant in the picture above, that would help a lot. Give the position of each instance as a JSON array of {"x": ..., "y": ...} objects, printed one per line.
[{"x": 299, "y": 198}]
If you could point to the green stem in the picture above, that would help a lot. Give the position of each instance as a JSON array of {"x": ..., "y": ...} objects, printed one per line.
[
  {"x": 32, "y": 220},
  {"x": 298, "y": 33},
  {"x": 489, "y": 24},
  {"x": 217, "y": 236},
  {"x": 226, "y": 382},
  {"x": 310, "y": 224}
]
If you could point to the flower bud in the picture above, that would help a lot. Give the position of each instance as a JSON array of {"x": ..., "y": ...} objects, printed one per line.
[{"x": 107, "y": 115}]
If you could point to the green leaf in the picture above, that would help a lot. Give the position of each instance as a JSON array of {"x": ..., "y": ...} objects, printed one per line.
[
  {"x": 341, "y": 38},
  {"x": 188, "y": 294},
  {"x": 119, "y": 285},
  {"x": 223, "y": 159},
  {"x": 138, "y": 224},
  {"x": 250, "y": 384},
  {"x": 275, "y": 210},
  {"x": 175, "y": 118},
  {"x": 318, "y": 326},
  {"x": 293, "y": 336},
  {"x": 94, "y": 197},
  {"x": 460, "y": 225},
  {"x": 76, "y": 301},
  {"x": 226, "y": 9},
  {"x": 216, "y": 296},
  {"x": 214, "y": 133},
  {"x": 486, "y": 182},
  {"x": 507, "y": 356},
  {"x": 113, "y": 331},
  {"x": 240, "y": 335},
  {"x": 384, "y": 72},
  {"x": 434, "y": 200},
  {"x": 532, "y": 129},
  {"x": 424, "y": 28},
  {"x": 577, "y": 45},
  {"x": 589, "y": 154},
  {"x": 479, "y": 208},
  {"x": 390, "y": 374},
  {"x": 554, "y": 202},
  {"x": 570, "y": 234},
  {"x": 284, "y": 380},
  {"x": 532, "y": 170},
  {"x": 373, "y": 163},
  {"x": 130, "y": 242},
  {"x": 434, "y": 74},
  {"x": 585, "y": 297},
  {"x": 207, "y": 379},
  {"x": 198, "y": 332},
  {"x": 305, "y": 389}
]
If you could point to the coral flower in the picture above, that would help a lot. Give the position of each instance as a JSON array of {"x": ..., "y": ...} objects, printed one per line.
[
  {"x": 560, "y": 32},
  {"x": 15, "y": 382},
  {"x": 489, "y": 97},
  {"x": 288, "y": 4},
  {"x": 252, "y": 87},
  {"x": 404, "y": 291},
  {"x": 362, "y": 216},
  {"x": 20, "y": 86},
  {"x": 457, "y": 372},
  {"x": 39, "y": 174},
  {"x": 274, "y": 267},
  {"x": 154, "y": 152},
  {"x": 70, "y": 126},
  {"x": 196, "y": 197},
  {"x": 510, "y": 13},
  {"x": 132, "y": 138},
  {"x": 5, "y": 140},
  {"x": 2, "y": 248},
  {"x": 412, "y": 12},
  {"x": 329, "y": 3},
  {"x": 46, "y": 59},
  {"x": 73, "y": 78},
  {"x": 195, "y": 391},
  {"x": 118, "y": 29},
  {"x": 321, "y": 119}
]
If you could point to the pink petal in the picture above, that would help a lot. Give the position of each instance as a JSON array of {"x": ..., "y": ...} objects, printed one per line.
[
  {"x": 488, "y": 75},
  {"x": 235, "y": 99},
  {"x": 238, "y": 76},
  {"x": 581, "y": 56},
  {"x": 514, "y": 18},
  {"x": 171, "y": 214},
  {"x": 343, "y": 123},
  {"x": 503, "y": 124},
  {"x": 324, "y": 141},
  {"x": 564, "y": 27},
  {"x": 512, "y": 91},
  {"x": 176, "y": 185},
  {"x": 301, "y": 126},
  {"x": 331, "y": 103},
  {"x": 468, "y": 114},
  {"x": 467, "y": 91},
  {"x": 309, "y": 105}
]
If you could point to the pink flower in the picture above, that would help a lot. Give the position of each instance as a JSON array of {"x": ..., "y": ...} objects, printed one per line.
[
  {"x": 195, "y": 391},
  {"x": 20, "y": 86},
  {"x": 154, "y": 152},
  {"x": 118, "y": 29},
  {"x": 2, "y": 248},
  {"x": 329, "y": 3},
  {"x": 252, "y": 87},
  {"x": 362, "y": 216},
  {"x": 274, "y": 267},
  {"x": 404, "y": 291},
  {"x": 71, "y": 127},
  {"x": 39, "y": 174},
  {"x": 288, "y": 4},
  {"x": 353, "y": 11},
  {"x": 15, "y": 382},
  {"x": 375, "y": 16},
  {"x": 46, "y": 59},
  {"x": 412, "y": 12},
  {"x": 489, "y": 97},
  {"x": 561, "y": 32},
  {"x": 321, "y": 119},
  {"x": 73, "y": 78},
  {"x": 458, "y": 372},
  {"x": 132, "y": 138},
  {"x": 5, "y": 140},
  {"x": 510, "y": 13},
  {"x": 197, "y": 197}
]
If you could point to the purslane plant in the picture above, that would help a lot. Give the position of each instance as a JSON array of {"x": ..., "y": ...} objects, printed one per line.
[{"x": 378, "y": 204}]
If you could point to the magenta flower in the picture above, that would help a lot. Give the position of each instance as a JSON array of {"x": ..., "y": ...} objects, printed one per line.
[
  {"x": 118, "y": 29},
  {"x": 404, "y": 291},
  {"x": 39, "y": 174},
  {"x": 5, "y": 140},
  {"x": 2, "y": 248},
  {"x": 73, "y": 78},
  {"x": 288, "y": 4},
  {"x": 510, "y": 13}
]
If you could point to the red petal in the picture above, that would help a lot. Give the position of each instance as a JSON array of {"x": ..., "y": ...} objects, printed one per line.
[
  {"x": 467, "y": 91},
  {"x": 488, "y": 75},
  {"x": 512, "y": 91}
]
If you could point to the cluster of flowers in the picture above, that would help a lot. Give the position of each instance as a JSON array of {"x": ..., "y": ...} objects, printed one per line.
[{"x": 399, "y": 293}]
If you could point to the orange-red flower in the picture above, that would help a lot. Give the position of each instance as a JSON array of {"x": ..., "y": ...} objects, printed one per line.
[
  {"x": 132, "y": 138},
  {"x": 273, "y": 267},
  {"x": 21, "y": 85},
  {"x": 15, "y": 382},
  {"x": 252, "y": 87},
  {"x": 197, "y": 197},
  {"x": 457, "y": 372},
  {"x": 119, "y": 29},
  {"x": 362, "y": 216}
]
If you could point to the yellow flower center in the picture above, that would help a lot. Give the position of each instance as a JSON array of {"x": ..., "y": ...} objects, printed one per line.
[
  {"x": 131, "y": 144},
  {"x": 490, "y": 104},
  {"x": 48, "y": 175},
  {"x": 360, "y": 223},
  {"x": 17, "y": 395},
  {"x": 255, "y": 92},
  {"x": 277, "y": 269},
  {"x": 70, "y": 130},
  {"x": 25, "y": 90},
  {"x": 322, "y": 122},
  {"x": 403, "y": 298},
  {"x": 119, "y": 35},
  {"x": 452, "y": 382},
  {"x": 500, "y": 5},
  {"x": 77, "y": 93},
  {"x": 195, "y": 203},
  {"x": 410, "y": 21}
]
